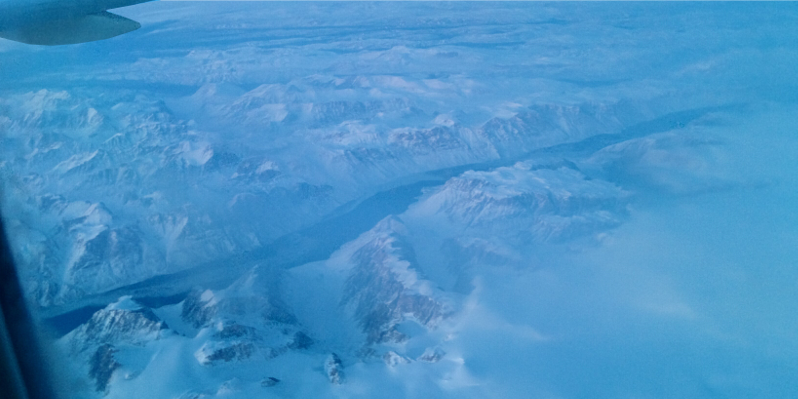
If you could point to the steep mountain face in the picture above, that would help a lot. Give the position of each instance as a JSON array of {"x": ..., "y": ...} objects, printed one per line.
[
  {"x": 128, "y": 190},
  {"x": 548, "y": 124},
  {"x": 114, "y": 218},
  {"x": 334, "y": 369},
  {"x": 244, "y": 320},
  {"x": 245, "y": 324},
  {"x": 122, "y": 322},
  {"x": 541, "y": 204},
  {"x": 255, "y": 293},
  {"x": 95, "y": 346},
  {"x": 384, "y": 288},
  {"x": 102, "y": 366}
]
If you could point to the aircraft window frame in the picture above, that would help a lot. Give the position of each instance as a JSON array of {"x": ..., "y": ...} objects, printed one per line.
[{"x": 23, "y": 374}]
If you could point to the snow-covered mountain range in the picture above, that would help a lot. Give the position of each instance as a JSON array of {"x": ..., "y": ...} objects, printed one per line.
[{"x": 377, "y": 199}]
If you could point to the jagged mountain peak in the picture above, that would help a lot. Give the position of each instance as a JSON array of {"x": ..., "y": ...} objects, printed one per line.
[
  {"x": 124, "y": 321},
  {"x": 544, "y": 203},
  {"x": 253, "y": 298},
  {"x": 384, "y": 286}
]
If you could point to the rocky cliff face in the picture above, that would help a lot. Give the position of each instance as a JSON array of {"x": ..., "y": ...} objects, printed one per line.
[
  {"x": 540, "y": 204},
  {"x": 95, "y": 344},
  {"x": 102, "y": 366},
  {"x": 246, "y": 323},
  {"x": 385, "y": 288},
  {"x": 548, "y": 124},
  {"x": 244, "y": 320},
  {"x": 255, "y": 296},
  {"x": 122, "y": 322},
  {"x": 334, "y": 369},
  {"x": 112, "y": 189}
]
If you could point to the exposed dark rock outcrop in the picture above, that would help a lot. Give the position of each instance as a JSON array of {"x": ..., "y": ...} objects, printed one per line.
[
  {"x": 432, "y": 355},
  {"x": 122, "y": 322},
  {"x": 300, "y": 341},
  {"x": 102, "y": 366},
  {"x": 269, "y": 382},
  {"x": 334, "y": 369},
  {"x": 392, "y": 358},
  {"x": 235, "y": 352},
  {"x": 198, "y": 308},
  {"x": 385, "y": 286}
]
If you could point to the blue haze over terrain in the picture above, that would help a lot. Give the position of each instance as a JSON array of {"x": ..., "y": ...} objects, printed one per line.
[{"x": 412, "y": 200}]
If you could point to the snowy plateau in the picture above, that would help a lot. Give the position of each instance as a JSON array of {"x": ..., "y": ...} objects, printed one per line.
[{"x": 411, "y": 200}]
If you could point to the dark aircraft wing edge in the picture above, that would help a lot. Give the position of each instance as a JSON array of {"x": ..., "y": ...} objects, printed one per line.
[
  {"x": 24, "y": 370},
  {"x": 87, "y": 28}
]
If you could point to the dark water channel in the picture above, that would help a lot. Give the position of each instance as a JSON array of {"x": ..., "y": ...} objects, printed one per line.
[{"x": 318, "y": 242}]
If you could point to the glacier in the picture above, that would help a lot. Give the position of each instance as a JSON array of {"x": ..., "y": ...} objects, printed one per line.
[{"x": 411, "y": 200}]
